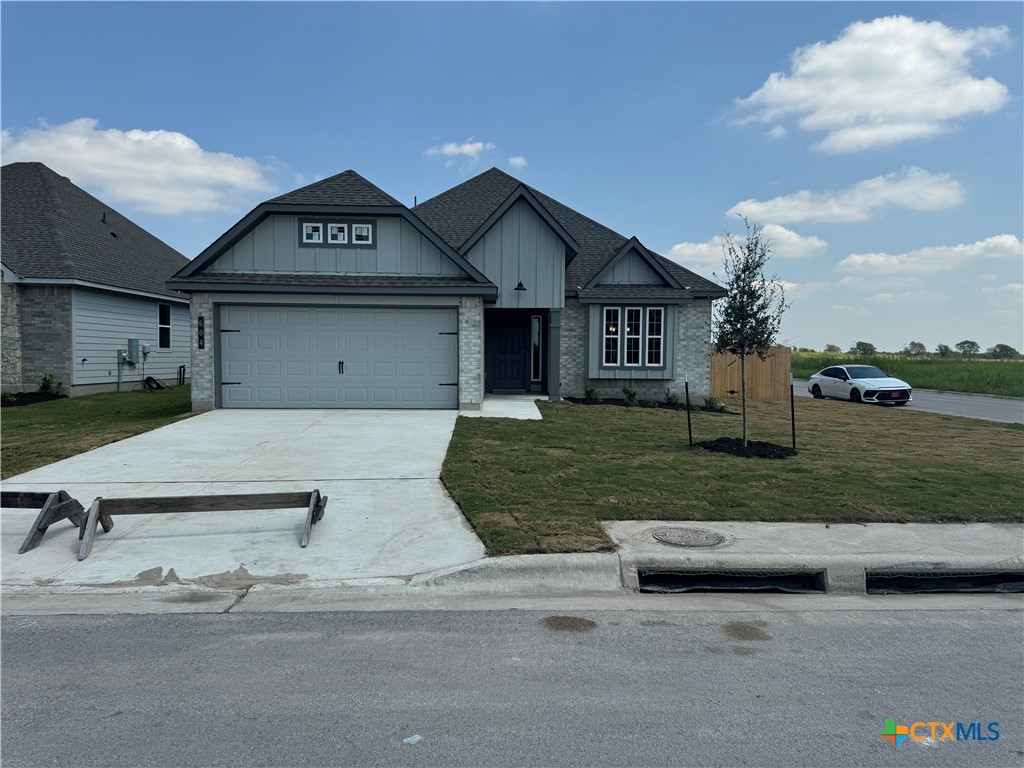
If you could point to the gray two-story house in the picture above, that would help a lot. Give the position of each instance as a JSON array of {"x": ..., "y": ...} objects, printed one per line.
[{"x": 337, "y": 295}]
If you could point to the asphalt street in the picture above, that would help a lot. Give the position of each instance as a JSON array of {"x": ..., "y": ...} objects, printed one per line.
[
  {"x": 1005, "y": 409},
  {"x": 588, "y": 687}
]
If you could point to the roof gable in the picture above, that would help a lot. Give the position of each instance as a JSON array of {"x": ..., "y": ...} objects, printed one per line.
[
  {"x": 523, "y": 193},
  {"x": 54, "y": 230},
  {"x": 461, "y": 211},
  {"x": 634, "y": 246}
]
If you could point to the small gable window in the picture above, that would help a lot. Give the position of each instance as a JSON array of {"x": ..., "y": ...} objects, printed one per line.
[
  {"x": 312, "y": 232},
  {"x": 634, "y": 337},
  {"x": 362, "y": 234},
  {"x": 337, "y": 234},
  {"x": 163, "y": 326}
]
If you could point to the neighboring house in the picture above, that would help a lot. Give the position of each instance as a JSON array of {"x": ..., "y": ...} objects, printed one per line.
[
  {"x": 338, "y": 295},
  {"x": 79, "y": 281}
]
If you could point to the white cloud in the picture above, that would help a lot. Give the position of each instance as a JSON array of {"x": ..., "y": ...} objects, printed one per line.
[
  {"x": 883, "y": 82},
  {"x": 158, "y": 171},
  {"x": 935, "y": 259},
  {"x": 1010, "y": 291},
  {"x": 912, "y": 188},
  {"x": 785, "y": 243},
  {"x": 871, "y": 281},
  {"x": 468, "y": 151},
  {"x": 778, "y": 132},
  {"x": 902, "y": 298},
  {"x": 517, "y": 161}
]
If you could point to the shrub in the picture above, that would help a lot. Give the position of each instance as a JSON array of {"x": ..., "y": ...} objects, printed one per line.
[
  {"x": 671, "y": 399},
  {"x": 50, "y": 386},
  {"x": 590, "y": 395},
  {"x": 711, "y": 403},
  {"x": 629, "y": 395}
]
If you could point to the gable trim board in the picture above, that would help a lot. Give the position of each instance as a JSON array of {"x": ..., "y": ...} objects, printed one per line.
[{"x": 518, "y": 274}]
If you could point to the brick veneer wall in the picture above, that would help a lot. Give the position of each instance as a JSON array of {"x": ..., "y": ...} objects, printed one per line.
[
  {"x": 471, "y": 352},
  {"x": 10, "y": 331},
  {"x": 692, "y": 352},
  {"x": 203, "y": 372},
  {"x": 45, "y": 334}
]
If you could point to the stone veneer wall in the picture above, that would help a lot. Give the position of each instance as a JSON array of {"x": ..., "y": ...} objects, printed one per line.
[
  {"x": 471, "y": 352},
  {"x": 204, "y": 378},
  {"x": 45, "y": 334},
  {"x": 693, "y": 355},
  {"x": 10, "y": 336}
]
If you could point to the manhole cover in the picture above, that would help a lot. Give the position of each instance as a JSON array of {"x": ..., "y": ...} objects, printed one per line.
[{"x": 688, "y": 537}]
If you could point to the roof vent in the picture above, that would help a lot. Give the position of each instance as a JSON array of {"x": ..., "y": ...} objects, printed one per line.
[
  {"x": 113, "y": 234},
  {"x": 103, "y": 218}
]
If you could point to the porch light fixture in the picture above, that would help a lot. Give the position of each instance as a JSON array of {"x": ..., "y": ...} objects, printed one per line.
[{"x": 520, "y": 286}]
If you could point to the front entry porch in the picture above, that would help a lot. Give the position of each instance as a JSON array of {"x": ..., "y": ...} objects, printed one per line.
[{"x": 521, "y": 349}]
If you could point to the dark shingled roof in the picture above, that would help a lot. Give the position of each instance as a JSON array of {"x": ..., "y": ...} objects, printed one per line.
[
  {"x": 346, "y": 188},
  {"x": 456, "y": 214},
  {"x": 55, "y": 230}
]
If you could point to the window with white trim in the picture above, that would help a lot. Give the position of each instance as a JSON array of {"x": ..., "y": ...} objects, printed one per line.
[
  {"x": 362, "y": 234},
  {"x": 611, "y": 335},
  {"x": 633, "y": 337},
  {"x": 163, "y": 326},
  {"x": 337, "y": 234},
  {"x": 655, "y": 335},
  {"x": 312, "y": 232}
]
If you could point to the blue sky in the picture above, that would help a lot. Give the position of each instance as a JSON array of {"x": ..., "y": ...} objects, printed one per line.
[{"x": 879, "y": 144}]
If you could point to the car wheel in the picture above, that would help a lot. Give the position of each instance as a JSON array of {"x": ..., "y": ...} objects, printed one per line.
[
  {"x": 816, "y": 392},
  {"x": 855, "y": 396}
]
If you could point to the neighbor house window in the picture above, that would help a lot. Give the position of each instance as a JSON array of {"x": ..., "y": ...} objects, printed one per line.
[
  {"x": 362, "y": 233},
  {"x": 163, "y": 326},
  {"x": 612, "y": 334},
  {"x": 312, "y": 232},
  {"x": 337, "y": 234},
  {"x": 637, "y": 341}
]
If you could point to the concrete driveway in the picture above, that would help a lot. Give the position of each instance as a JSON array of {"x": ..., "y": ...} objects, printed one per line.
[{"x": 388, "y": 515}]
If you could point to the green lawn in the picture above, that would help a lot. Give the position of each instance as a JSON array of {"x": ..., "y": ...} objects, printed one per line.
[
  {"x": 35, "y": 435},
  {"x": 542, "y": 486}
]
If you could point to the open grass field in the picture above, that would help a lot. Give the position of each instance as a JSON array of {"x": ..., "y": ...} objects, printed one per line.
[
  {"x": 985, "y": 377},
  {"x": 542, "y": 486},
  {"x": 35, "y": 435}
]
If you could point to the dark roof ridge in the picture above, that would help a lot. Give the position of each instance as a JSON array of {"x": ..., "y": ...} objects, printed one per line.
[
  {"x": 493, "y": 168},
  {"x": 349, "y": 173}
]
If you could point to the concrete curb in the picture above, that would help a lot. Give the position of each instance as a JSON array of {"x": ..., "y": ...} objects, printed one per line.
[{"x": 598, "y": 572}]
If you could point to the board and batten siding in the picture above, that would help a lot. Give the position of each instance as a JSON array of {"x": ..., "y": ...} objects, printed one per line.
[
  {"x": 522, "y": 247},
  {"x": 103, "y": 322},
  {"x": 273, "y": 248},
  {"x": 631, "y": 269}
]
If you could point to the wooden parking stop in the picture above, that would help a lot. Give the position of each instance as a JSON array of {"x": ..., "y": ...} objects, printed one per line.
[
  {"x": 53, "y": 507},
  {"x": 312, "y": 502}
]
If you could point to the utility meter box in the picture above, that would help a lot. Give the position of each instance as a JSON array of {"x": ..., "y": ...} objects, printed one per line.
[{"x": 133, "y": 351}]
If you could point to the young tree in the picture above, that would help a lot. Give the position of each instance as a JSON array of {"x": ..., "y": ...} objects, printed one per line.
[
  {"x": 915, "y": 348},
  {"x": 747, "y": 320},
  {"x": 943, "y": 350},
  {"x": 832, "y": 349},
  {"x": 968, "y": 348},
  {"x": 863, "y": 349}
]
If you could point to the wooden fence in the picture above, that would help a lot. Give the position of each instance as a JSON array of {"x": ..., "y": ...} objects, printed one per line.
[{"x": 767, "y": 379}]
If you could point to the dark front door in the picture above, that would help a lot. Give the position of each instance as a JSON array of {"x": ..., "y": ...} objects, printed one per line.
[{"x": 507, "y": 343}]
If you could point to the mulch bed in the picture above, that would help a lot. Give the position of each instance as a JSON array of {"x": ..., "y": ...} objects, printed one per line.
[
  {"x": 754, "y": 450},
  {"x": 27, "y": 398}
]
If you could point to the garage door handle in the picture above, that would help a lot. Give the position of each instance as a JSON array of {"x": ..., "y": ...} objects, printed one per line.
[{"x": 341, "y": 366}]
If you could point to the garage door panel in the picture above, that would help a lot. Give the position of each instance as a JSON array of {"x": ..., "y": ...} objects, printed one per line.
[{"x": 289, "y": 358}]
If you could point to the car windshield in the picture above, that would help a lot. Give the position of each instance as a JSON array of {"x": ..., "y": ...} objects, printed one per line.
[{"x": 866, "y": 372}]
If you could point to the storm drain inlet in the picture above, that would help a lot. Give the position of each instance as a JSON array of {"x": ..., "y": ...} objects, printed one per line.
[
  {"x": 909, "y": 581},
  {"x": 667, "y": 580}
]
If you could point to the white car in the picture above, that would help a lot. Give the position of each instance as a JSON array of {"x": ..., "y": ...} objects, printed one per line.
[{"x": 859, "y": 384}]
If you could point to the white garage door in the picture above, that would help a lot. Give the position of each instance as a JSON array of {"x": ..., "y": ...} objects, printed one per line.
[{"x": 332, "y": 357}]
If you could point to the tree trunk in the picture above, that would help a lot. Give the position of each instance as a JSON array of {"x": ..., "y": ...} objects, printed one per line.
[{"x": 743, "y": 395}]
